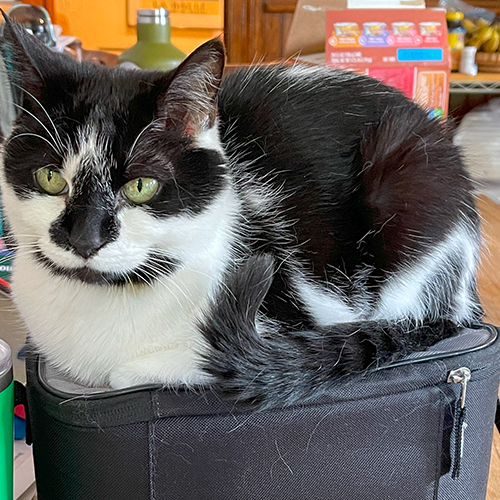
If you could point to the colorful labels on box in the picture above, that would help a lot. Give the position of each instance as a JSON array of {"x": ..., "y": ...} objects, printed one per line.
[
  {"x": 380, "y": 34},
  {"x": 407, "y": 49}
]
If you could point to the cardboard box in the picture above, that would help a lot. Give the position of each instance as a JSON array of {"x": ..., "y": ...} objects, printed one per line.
[
  {"x": 307, "y": 29},
  {"x": 405, "y": 48}
]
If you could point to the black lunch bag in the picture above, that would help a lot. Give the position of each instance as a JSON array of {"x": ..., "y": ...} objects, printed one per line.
[{"x": 417, "y": 430}]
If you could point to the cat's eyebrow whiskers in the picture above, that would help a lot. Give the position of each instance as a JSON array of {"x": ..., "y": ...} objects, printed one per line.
[
  {"x": 34, "y": 135},
  {"x": 56, "y": 143},
  {"x": 149, "y": 125},
  {"x": 59, "y": 141}
]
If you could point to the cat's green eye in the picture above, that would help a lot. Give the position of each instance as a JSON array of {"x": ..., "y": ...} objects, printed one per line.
[
  {"x": 141, "y": 190},
  {"x": 51, "y": 181}
]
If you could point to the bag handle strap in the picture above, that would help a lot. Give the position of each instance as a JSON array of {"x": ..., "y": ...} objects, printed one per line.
[{"x": 19, "y": 393}]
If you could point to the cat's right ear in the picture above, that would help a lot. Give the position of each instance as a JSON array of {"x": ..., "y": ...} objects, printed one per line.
[
  {"x": 191, "y": 96},
  {"x": 20, "y": 52}
]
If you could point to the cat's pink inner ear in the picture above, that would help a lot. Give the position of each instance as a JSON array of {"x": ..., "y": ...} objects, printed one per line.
[
  {"x": 191, "y": 96},
  {"x": 190, "y": 130}
]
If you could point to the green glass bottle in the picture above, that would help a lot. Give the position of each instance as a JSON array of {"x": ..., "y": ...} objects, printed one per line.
[{"x": 153, "y": 49}]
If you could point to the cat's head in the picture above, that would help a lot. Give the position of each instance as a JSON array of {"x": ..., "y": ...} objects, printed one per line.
[{"x": 109, "y": 175}]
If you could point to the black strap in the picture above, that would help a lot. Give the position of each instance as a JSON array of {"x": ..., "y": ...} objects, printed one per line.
[
  {"x": 19, "y": 393},
  {"x": 460, "y": 427},
  {"x": 20, "y": 398},
  {"x": 497, "y": 416}
]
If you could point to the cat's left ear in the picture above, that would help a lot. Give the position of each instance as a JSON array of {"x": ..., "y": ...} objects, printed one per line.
[
  {"x": 16, "y": 49},
  {"x": 191, "y": 96},
  {"x": 28, "y": 62}
]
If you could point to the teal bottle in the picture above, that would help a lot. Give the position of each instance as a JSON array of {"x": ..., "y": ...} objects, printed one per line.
[{"x": 153, "y": 49}]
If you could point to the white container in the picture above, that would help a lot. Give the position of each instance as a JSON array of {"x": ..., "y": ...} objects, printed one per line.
[{"x": 468, "y": 64}]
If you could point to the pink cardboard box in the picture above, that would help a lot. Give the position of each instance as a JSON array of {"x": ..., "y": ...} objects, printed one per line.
[{"x": 405, "y": 48}]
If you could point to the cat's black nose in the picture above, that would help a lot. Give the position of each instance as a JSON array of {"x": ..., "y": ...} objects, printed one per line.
[
  {"x": 85, "y": 230},
  {"x": 86, "y": 243},
  {"x": 91, "y": 230}
]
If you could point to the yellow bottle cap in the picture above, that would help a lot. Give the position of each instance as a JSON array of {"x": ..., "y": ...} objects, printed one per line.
[{"x": 454, "y": 16}]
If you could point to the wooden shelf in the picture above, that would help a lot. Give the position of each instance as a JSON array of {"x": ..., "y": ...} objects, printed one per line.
[
  {"x": 480, "y": 77},
  {"x": 279, "y": 6}
]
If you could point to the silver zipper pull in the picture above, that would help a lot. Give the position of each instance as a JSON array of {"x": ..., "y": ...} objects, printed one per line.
[{"x": 460, "y": 376}]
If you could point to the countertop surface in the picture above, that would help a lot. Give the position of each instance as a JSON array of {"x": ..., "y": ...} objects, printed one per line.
[{"x": 489, "y": 291}]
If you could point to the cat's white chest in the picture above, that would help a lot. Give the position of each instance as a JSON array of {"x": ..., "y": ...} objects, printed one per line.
[{"x": 93, "y": 331}]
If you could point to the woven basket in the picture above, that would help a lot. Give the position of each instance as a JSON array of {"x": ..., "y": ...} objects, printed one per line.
[{"x": 488, "y": 63}]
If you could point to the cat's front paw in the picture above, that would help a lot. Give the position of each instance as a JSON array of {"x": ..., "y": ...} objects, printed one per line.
[
  {"x": 171, "y": 368},
  {"x": 122, "y": 377}
]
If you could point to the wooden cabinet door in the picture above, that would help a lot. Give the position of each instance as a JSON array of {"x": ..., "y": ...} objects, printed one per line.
[{"x": 256, "y": 30}]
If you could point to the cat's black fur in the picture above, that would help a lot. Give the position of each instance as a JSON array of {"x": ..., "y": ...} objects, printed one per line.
[
  {"x": 367, "y": 178},
  {"x": 343, "y": 182},
  {"x": 296, "y": 365}
]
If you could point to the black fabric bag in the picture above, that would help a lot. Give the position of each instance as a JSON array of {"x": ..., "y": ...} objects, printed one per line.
[{"x": 398, "y": 433}]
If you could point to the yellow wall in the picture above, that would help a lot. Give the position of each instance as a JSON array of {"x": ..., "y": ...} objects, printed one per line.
[{"x": 102, "y": 24}]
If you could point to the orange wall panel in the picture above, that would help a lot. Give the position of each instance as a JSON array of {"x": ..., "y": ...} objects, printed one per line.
[{"x": 102, "y": 25}]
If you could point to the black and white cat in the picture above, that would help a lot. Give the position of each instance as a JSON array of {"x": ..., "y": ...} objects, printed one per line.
[{"x": 264, "y": 235}]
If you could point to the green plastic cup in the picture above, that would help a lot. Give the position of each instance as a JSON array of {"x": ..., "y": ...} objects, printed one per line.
[{"x": 6, "y": 423}]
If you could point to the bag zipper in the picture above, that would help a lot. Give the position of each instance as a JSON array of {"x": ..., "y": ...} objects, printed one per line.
[
  {"x": 461, "y": 376},
  {"x": 439, "y": 355}
]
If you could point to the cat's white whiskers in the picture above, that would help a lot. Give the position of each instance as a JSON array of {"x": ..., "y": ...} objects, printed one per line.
[
  {"x": 131, "y": 284},
  {"x": 33, "y": 249},
  {"x": 155, "y": 267},
  {"x": 17, "y": 136},
  {"x": 26, "y": 235},
  {"x": 141, "y": 133},
  {"x": 44, "y": 110},
  {"x": 18, "y": 248},
  {"x": 56, "y": 144},
  {"x": 150, "y": 273},
  {"x": 192, "y": 269}
]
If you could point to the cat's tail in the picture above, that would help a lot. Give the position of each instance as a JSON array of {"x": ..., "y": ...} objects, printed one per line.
[{"x": 256, "y": 363}]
